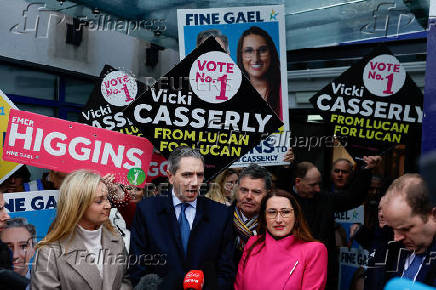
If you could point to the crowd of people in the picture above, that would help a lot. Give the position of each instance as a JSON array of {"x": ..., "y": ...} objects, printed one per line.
[{"x": 245, "y": 233}]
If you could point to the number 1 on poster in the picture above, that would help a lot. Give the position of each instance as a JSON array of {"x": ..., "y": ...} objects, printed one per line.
[
  {"x": 223, "y": 81},
  {"x": 389, "y": 85}
]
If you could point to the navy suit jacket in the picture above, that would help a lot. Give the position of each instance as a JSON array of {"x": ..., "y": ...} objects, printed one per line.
[
  {"x": 427, "y": 272},
  {"x": 156, "y": 242},
  {"x": 389, "y": 263}
]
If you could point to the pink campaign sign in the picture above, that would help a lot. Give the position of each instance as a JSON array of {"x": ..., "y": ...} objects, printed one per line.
[{"x": 65, "y": 146}]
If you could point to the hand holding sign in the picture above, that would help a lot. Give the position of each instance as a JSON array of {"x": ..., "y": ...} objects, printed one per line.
[{"x": 372, "y": 161}]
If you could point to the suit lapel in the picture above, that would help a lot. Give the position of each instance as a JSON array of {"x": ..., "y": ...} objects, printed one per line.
[
  {"x": 111, "y": 244},
  {"x": 428, "y": 265},
  {"x": 200, "y": 213},
  {"x": 75, "y": 253},
  {"x": 169, "y": 219}
]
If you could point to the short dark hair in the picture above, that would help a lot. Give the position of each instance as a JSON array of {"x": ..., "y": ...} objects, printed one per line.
[
  {"x": 203, "y": 35},
  {"x": 22, "y": 172},
  {"x": 254, "y": 171},
  {"x": 415, "y": 192},
  {"x": 301, "y": 169},
  {"x": 178, "y": 153},
  {"x": 22, "y": 223}
]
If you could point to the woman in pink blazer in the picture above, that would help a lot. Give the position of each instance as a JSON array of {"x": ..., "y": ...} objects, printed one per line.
[{"x": 284, "y": 254}]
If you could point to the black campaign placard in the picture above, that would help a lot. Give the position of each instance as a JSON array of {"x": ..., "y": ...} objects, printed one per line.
[
  {"x": 113, "y": 91},
  {"x": 373, "y": 105},
  {"x": 204, "y": 102}
]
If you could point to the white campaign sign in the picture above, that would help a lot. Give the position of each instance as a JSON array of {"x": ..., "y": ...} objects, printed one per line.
[
  {"x": 214, "y": 77},
  {"x": 384, "y": 75}
]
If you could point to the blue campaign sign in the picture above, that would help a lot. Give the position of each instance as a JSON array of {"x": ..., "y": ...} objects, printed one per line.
[
  {"x": 37, "y": 207},
  {"x": 254, "y": 37},
  {"x": 429, "y": 120}
]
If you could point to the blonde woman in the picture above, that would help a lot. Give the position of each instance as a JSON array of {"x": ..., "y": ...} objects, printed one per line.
[
  {"x": 221, "y": 189},
  {"x": 81, "y": 250}
]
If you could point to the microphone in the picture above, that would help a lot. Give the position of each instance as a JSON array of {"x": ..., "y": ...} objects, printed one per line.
[
  {"x": 194, "y": 280},
  {"x": 149, "y": 282}
]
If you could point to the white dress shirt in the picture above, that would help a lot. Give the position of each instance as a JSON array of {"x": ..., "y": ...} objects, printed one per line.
[{"x": 189, "y": 212}]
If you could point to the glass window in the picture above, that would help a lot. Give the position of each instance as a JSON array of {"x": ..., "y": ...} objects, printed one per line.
[
  {"x": 78, "y": 91},
  {"x": 24, "y": 82},
  {"x": 73, "y": 116},
  {"x": 46, "y": 111}
]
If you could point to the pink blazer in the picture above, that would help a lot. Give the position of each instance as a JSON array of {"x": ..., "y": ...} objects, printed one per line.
[{"x": 283, "y": 264}]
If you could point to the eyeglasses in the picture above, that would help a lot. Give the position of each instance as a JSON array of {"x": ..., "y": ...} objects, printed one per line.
[
  {"x": 337, "y": 170},
  {"x": 249, "y": 52},
  {"x": 285, "y": 213}
]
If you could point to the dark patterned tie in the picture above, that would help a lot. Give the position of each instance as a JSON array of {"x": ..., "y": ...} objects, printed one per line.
[{"x": 184, "y": 227}]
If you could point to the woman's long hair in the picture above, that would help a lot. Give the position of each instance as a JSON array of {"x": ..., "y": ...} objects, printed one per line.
[
  {"x": 272, "y": 76},
  {"x": 216, "y": 191},
  {"x": 300, "y": 231},
  {"x": 77, "y": 193}
]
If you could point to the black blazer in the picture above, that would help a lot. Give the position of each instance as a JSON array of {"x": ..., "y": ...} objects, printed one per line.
[
  {"x": 156, "y": 242},
  {"x": 389, "y": 262}
]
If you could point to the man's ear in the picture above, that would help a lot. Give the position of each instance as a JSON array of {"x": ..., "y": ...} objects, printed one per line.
[
  {"x": 433, "y": 213},
  {"x": 170, "y": 177},
  {"x": 297, "y": 181}
]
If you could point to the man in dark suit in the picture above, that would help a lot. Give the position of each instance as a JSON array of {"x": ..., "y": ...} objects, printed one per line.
[
  {"x": 182, "y": 231},
  {"x": 407, "y": 208},
  {"x": 253, "y": 185},
  {"x": 319, "y": 206}
]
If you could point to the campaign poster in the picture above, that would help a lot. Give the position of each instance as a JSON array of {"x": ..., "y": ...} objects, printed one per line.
[
  {"x": 31, "y": 214},
  {"x": 114, "y": 90},
  {"x": 429, "y": 122},
  {"x": 352, "y": 262},
  {"x": 66, "y": 146},
  {"x": 255, "y": 38},
  {"x": 158, "y": 167},
  {"x": 352, "y": 216},
  {"x": 372, "y": 106},
  {"x": 6, "y": 168},
  {"x": 37, "y": 207},
  {"x": 213, "y": 108}
]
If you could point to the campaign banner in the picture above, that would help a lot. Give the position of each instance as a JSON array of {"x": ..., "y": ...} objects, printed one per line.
[
  {"x": 255, "y": 39},
  {"x": 114, "y": 90},
  {"x": 37, "y": 207},
  {"x": 213, "y": 108},
  {"x": 429, "y": 122},
  {"x": 31, "y": 215},
  {"x": 373, "y": 106},
  {"x": 6, "y": 168},
  {"x": 352, "y": 262},
  {"x": 353, "y": 216},
  {"x": 65, "y": 146},
  {"x": 158, "y": 167}
]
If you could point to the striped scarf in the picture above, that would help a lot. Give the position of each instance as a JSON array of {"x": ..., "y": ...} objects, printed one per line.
[{"x": 245, "y": 230}]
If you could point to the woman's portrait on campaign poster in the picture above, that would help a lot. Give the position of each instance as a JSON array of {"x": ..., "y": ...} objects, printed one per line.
[
  {"x": 254, "y": 47},
  {"x": 258, "y": 59}
]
